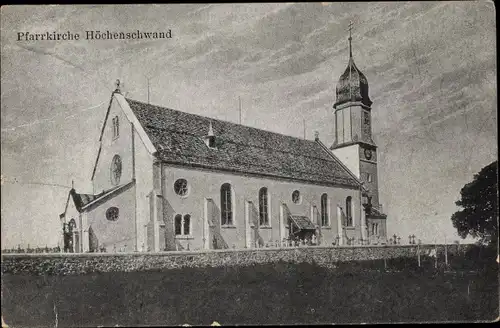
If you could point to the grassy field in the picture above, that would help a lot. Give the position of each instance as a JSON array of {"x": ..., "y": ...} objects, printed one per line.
[{"x": 269, "y": 294}]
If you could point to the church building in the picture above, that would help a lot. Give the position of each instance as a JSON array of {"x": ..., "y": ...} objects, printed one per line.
[{"x": 168, "y": 180}]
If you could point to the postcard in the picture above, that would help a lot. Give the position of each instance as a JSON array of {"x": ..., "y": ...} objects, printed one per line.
[{"x": 249, "y": 164}]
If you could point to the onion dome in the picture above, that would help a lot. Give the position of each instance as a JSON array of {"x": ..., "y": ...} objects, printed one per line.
[{"x": 352, "y": 85}]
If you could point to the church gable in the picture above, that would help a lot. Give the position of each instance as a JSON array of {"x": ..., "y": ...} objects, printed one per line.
[
  {"x": 70, "y": 208},
  {"x": 114, "y": 162},
  {"x": 74, "y": 204}
]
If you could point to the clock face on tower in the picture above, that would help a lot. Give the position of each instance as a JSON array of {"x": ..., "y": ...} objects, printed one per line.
[{"x": 368, "y": 154}]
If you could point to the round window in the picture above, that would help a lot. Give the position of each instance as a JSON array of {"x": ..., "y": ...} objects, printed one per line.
[
  {"x": 181, "y": 187},
  {"x": 116, "y": 170},
  {"x": 112, "y": 214},
  {"x": 296, "y": 197}
]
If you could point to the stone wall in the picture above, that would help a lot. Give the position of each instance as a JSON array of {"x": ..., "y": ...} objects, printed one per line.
[{"x": 71, "y": 263}]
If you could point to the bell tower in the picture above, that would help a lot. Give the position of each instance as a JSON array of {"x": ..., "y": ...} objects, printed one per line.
[{"x": 353, "y": 143}]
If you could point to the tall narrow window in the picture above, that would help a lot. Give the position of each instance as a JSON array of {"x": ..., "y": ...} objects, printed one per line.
[
  {"x": 116, "y": 127},
  {"x": 366, "y": 117},
  {"x": 116, "y": 170},
  {"x": 263, "y": 206},
  {"x": 178, "y": 225},
  {"x": 226, "y": 204},
  {"x": 348, "y": 211},
  {"x": 186, "y": 229},
  {"x": 324, "y": 210}
]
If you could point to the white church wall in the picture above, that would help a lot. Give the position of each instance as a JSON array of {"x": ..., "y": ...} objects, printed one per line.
[
  {"x": 120, "y": 234},
  {"x": 111, "y": 146},
  {"x": 350, "y": 157},
  {"x": 144, "y": 186},
  {"x": 206, "y": 184}
]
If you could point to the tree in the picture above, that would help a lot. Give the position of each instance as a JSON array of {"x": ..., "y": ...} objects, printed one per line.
[{"x": 479, "y": 200}]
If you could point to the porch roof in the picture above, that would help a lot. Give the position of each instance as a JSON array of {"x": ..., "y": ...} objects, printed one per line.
[{"x": 303, "y": 222}]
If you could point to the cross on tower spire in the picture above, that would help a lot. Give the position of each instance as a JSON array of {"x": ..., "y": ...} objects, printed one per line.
[{"x": 351, "y": 24}]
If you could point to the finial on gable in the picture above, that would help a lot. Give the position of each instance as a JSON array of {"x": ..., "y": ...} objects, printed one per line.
[
  {"x": 117, "y": 84},
  {"x": 316, "y": 135}
]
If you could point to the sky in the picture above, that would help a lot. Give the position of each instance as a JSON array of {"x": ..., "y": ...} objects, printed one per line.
[{"x": 431, "y": 69}]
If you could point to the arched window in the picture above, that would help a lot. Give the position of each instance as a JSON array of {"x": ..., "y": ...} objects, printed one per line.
[
  {"x": 72, "y": 224},
  {"x": 226, "y": 204},
  {"x": 348, "y": 211},
  {"x": 116, "y": 170},
  {"x": 325, "y": 220},
  {"x": 263, "y": 206},
  {"x": 182, "y": 225},
  {"x": 187, "y": 225},
  {"x": 116, "y": 127},
  {"x": 178, "y": 225}
]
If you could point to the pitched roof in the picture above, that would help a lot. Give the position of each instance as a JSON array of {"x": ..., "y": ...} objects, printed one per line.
[
  {"x": 179, "y": 138},
  {"x": 93, "y": 200},
  {"x": 81, "y": 199},
  {"x": 377, "y": 213}
]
